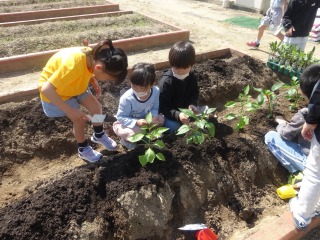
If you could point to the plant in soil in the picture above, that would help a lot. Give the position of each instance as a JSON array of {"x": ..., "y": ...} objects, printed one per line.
[
  {"x": 269, "y": 96},
  {"x": 293, "y": 93},
  {"x": 245, "y": 104},
  {"x": 150, "y": 136},
  {"x": 199, "y": 128},
  {"x": 228, "y": 182}
]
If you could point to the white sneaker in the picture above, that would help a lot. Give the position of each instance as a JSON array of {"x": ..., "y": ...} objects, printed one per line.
[
  {"x": 90, "y": 155},
  {"x": 127, "y": 144},
  {"x": 107, "y": 142}
]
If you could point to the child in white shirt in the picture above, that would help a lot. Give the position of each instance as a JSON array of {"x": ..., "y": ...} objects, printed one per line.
[{"x": 136, "y": 103}]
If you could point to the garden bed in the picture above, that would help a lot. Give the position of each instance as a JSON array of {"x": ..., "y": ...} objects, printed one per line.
[
  {"x": 36, "y": 5},
  {"x": 56, "y": 35},
  {"x": 228, "y": 182},
  {"x": 131, "y": 32}
]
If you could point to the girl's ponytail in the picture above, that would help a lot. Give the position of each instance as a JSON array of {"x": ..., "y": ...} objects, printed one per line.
[{"x": 115, "y": 60}]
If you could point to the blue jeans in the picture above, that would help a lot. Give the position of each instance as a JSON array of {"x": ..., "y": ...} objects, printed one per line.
[
  {"x": 171, "y": 124},
  {"x": 288, "y": 153}
]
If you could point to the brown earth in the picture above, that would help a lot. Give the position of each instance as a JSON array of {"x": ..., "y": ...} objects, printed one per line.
[{"x": 228, "y": 182}]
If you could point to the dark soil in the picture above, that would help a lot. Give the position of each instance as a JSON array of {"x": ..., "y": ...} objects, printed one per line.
[{"x": 226, "y": 182}]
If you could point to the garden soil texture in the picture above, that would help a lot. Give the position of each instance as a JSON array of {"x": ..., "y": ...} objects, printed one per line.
[{"x": 228, "y": 182}]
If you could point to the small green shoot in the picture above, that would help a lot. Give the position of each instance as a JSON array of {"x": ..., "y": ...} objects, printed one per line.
[
  {"x": 293, "y": 93},
  {"x": 269, "y": 96},
  {"x": 245, "y": 105},
  {"x": 150, "y": 134},
  {"x": 200, "y": 128}
]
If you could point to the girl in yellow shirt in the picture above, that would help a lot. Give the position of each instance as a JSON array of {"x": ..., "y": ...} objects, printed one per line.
[{"x": 63, "y": 87}]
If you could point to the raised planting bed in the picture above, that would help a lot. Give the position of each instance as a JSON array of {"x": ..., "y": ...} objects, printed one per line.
[
  {"x": 32, "y": 92},
  {"x": 66, "y": 18},
  {"x": 13, "y": 6},
  {"x": 40, "y": 14},
  {"x": 228, "y": 182},
  {"x": 30, "y": 46}
]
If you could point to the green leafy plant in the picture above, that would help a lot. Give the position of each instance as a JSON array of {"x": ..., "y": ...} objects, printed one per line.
[
  {"x": 293, "y": 93},
  {"x": 150, "y": 136},
  {"x": 245, "y": 104},
  {"x": 268, "y": 96},
  {"x": 200, "y": 128}
]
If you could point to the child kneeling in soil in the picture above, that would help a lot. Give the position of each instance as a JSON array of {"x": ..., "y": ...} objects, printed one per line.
[
  {"x": 136, "y": 103},
  {"x": 288, "y": 145},
  {"x": 306, "y": 205},
  {"x": 178, "y": 86},
  {"x": 63, "y": 87}
]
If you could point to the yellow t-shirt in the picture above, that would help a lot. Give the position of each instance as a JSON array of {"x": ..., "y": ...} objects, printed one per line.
[{"x": 67, "y": 71}]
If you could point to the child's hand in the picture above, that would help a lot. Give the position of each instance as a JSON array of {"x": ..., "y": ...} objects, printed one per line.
[
  {"x": 194, "y": 109},
  {"x": 183, "y": 118},
  {"x": 280, "y": 120},
  {"x": 75, "y": 115},
  {"x": 290, "y": 31},
  {"x": 155, "y": 120},
  {"x": 141, "y": 122},
  {"x": 307, "y": 131}
]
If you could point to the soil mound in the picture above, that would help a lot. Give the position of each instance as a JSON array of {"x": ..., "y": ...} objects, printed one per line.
[{"x": 226, "y": 182}]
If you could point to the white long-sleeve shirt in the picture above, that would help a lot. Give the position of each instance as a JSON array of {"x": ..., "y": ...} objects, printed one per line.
[{"x": 132, "y": 109}]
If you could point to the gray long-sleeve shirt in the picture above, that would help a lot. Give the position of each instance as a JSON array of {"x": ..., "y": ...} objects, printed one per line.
[{"x": 292, "y": 130}]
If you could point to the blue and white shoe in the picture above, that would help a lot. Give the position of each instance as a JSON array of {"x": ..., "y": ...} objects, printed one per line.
[
  {"x": 299, "y": 222},
  {"x": 106, "y": 141},
  {"x": 90, "y": 155}
]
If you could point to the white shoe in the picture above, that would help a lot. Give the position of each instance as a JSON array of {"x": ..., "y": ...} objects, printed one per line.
[
  {"x": 106, "y": 141},
  {"x": 90, "y": 155}
]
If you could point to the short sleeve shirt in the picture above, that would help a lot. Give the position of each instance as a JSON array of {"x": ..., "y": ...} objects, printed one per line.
[{"x": 67, "y": 71}]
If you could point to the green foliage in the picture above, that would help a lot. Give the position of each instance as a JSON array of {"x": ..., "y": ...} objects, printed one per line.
[
  {"x": 293, "y": 93},
  {"x": 246, "y": 105},
  {"x": 294, "y": 55},
  {"x": 150, "y": 135},
  {"x": 269, "y": 96},
  {"x": 200, "y": 128}
]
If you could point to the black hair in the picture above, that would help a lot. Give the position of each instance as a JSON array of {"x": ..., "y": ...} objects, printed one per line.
[
  {"x": 114, "y": 60},
  {"x": 309, "y": 78},
  {"x": 143, "y": 74},
  {"x": 182, "y": 55}
]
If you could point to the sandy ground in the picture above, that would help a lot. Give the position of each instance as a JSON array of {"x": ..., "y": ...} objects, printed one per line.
[
  {"x": 202, "y": 18},
  {"x": 207, "y": 32}
]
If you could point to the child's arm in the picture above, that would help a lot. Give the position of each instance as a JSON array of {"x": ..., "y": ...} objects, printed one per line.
[
  {"x": 124, "y": 112},
  {"x": 166, "y": 107},
  {"x": 50, "y": 92},
  {"x": 155, "y": 98},
  {"x": 284, "y": 6},
  {"x": 193, "y": 95},
  {"x": 290, "y": 130},
  {"x": 286, "y": 19},
  {"x": 307, "y": 131},
  {"x": 96, "y": 86},
  {"x": 313, "y": 116}
]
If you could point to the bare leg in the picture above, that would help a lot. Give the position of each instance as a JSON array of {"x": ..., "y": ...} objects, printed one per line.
[
  {"x": 280, "y": 36},
  {"x": 94, "y": 107},
  {"x": 261, "y": 31}
]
